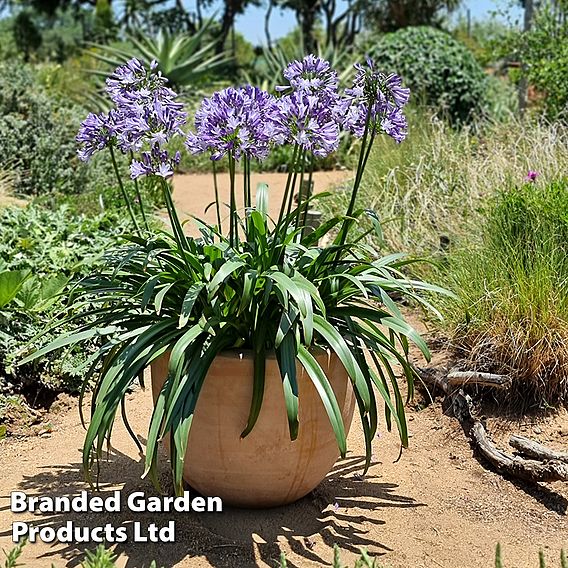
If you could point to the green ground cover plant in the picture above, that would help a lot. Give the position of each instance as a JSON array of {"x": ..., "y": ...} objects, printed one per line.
[
  {"x": 40, "y": 250},
  {"x": 512, "y": 310}
]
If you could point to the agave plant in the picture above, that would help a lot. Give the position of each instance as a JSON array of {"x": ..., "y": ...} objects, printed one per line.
[
  {"x": 186, "y": 60},
  {"x": 268, "y": 68},
  {"x": 261, "y": 284}
]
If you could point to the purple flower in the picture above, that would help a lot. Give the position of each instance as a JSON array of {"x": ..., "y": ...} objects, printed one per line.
[
  {"x": 148, "y": 110},
  {"x": 236, "y": 121},
  {"x": 95, "y": 133},
  {"x": 312, "y": 75},
  {"x": 146, "y": 116},
  {"x": 304, "y": 121},
  {"x": 156, "y": 162},
  {"x": 310, "y": 108},
  {"x": 531, "y": 176},
  {"x": 377, "y": 97}
]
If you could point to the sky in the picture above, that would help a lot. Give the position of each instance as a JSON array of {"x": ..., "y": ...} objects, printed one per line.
[{"x": 251, "y": 23}]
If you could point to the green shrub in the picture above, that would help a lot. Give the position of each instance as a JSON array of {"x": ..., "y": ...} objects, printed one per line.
[
  {"x": 439, "y": 70},
  {"x": 49, "y": 247},
  {"x": 512, "y": 311},
  {"x": 544, "y": 51},
  {"x": 37, "y": 134}
]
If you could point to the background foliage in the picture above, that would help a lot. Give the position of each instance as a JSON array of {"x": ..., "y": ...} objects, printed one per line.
[
  {"x": 439, "y": 70},
  {"x": 37, "y": 131}
]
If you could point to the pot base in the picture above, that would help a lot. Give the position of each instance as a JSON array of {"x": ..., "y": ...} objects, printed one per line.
[{"x": 264, "y": 469}]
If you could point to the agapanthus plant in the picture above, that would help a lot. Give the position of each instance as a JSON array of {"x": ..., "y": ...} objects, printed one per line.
[{"x": 265, "y": 285}]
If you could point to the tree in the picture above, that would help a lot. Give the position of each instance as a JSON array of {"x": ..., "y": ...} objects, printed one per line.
[
  {"x": 307, "y": 12},
  {"x": 339, "y": 28},
  {"x": 392, "y": 15},
  {"x": 231, "y": 10}
]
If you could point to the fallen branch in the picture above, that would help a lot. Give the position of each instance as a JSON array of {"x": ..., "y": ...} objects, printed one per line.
[
  {"x": 535, "y": 450},
  {"x": 549, "y": 466},
  {"x": 463, "y": 378},
  {"x": 528, "y": 470}
]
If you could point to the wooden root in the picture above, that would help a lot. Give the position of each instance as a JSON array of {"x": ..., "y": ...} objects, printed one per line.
[
  {"x": 463, "y": 378},
  {"x": 528, "y": 470},
  {"x": 533, "y": 449},
  {"x": 548, "y": 464}
]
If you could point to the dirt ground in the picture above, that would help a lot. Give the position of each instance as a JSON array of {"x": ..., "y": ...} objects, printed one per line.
[
  {"x": 437, "y": 506},
  {"x": 194, "y": 192}
]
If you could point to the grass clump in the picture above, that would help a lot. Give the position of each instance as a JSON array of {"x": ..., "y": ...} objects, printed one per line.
[
  {"x": 512, "y": 311},
  {"x": 432, "y": 189}
]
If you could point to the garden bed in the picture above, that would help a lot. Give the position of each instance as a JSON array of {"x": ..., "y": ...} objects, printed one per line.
[{"x": 436, "y": 505}]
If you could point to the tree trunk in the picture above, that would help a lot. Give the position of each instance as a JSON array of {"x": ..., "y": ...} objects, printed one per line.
[
  {"x": 523, "y": 83},
  {"x": 308, "y": 22},
  {"x": 226, "y": 25},
  {"x": 267, "y": 23}
]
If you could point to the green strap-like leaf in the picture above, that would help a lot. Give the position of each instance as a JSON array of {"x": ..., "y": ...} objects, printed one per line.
[
  {"x": 188, "y": 303},
  {"x": 286, "y": 354},
  {"x": 325, "y": 391},
  {"x": 338, "y": 345}
]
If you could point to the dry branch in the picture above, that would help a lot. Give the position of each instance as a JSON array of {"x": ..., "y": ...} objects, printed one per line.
[
  {"x": 463, "y": 378},
  {"x": 528, "y": 470},
  {"x": 535, "y": 450},
  {"x": 549, "y": 466}
]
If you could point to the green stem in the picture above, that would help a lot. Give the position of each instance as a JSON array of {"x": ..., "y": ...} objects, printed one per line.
[
  {"x": 246, "y": 191},
  {"x": 217, "y": 204},
  {"x": 288, "y": 181},
  {"x": 139, "y": 195},
  {"x": 358, "y": 176},
  {"x": 124, "y": 194},
  {"x": 295, "y": 177},
  {"x": 310, "y": 176},
  {"x": 233, "y": 229},
  {"x": 177, "y": 228}
]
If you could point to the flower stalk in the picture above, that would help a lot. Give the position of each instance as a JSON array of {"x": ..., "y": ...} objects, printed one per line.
[{"x": 123, "y": 190}]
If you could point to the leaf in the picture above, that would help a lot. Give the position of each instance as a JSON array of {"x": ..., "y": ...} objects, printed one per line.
[
  {"x": 262, "y": 199},
  {"x": 160, "y": 297},
  {"x": 376, "y": 225},
  {"x": 337, "y": 344},
  {"x": 68, "y": 339},
  {"x": 325, "y": 391},
  {"x": 222, "y": 274},
  {"x": 10, "y": 283},
  {"x": 188, "y": 303},
  {"x": 286, "y": 355},
  {"x": 259, "y": 353}
]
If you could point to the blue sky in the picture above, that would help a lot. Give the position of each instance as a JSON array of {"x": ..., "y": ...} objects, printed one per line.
[{"x": 251, "y": 24}]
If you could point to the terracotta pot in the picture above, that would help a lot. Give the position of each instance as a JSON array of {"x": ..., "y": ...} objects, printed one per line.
[{"x": 265, "y": 469}]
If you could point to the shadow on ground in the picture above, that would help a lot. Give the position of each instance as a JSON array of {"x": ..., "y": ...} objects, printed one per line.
[{"x": 340, "y": 510}]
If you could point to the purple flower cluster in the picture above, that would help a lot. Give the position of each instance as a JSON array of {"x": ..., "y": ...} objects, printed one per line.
[
  {"x": 236, "y": 121},
  {"x": 146, "y": 115},
  {"x": 96, "y": 133},
  {"x": 243, "y": 121},
  {"x": 377, "y": 97},
  {"x": 306, "y": 121},
  {"x": 307, "y": 114},
  {"x": 312, "y": 75}
]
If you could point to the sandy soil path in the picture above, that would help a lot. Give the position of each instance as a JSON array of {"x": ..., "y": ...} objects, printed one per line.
[
  {"x": 194, "y": 192},
  {"x": 436, "y": 507}
]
